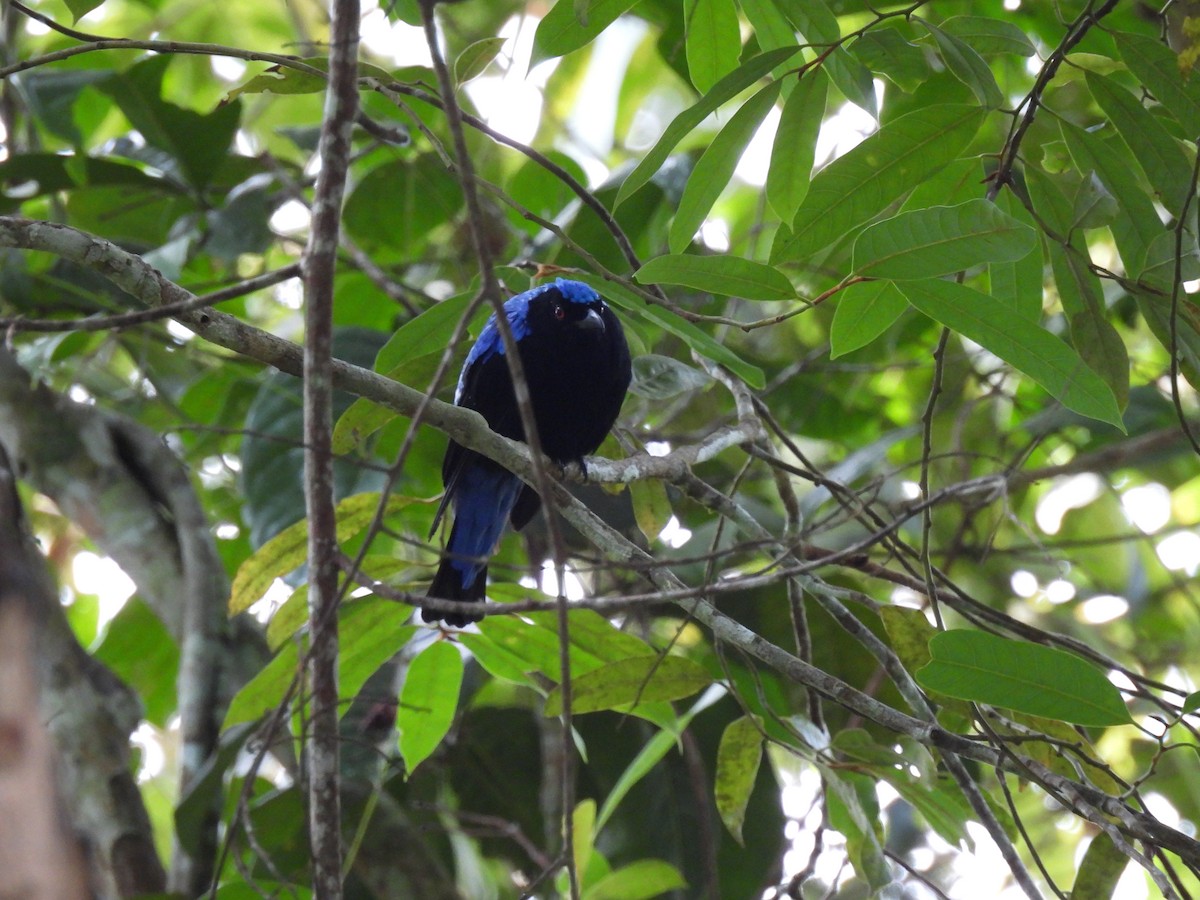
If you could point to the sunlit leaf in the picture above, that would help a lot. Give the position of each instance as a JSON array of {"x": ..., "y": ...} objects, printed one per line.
[
  {"x": 721, "y": 92},
  {"x": 713, "y": 40},
  {"x": 629, "y": 683},
  {"x": 428, "y": 701},
  {"x": 561, "y": 30},
  {"x": 639, "y": 880},
  {"x": 715, "y": 167},
  {"x": 858, "y": 186},
  {"x": 289, "y": 549},
  {"x": 475, "y": 58},
  {"x": 650, "y": 755},
  {"x": 372, "y": 631},
  {"x": 795, "y": 142}
]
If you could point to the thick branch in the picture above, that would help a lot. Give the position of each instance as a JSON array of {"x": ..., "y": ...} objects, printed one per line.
[{"x": 320, "y": 263}]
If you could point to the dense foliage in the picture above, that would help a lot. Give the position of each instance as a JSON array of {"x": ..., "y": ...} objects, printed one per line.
[{"x": 889, "y": 578}]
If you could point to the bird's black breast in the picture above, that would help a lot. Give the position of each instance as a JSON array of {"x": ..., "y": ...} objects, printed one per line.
[{"x": 577, "y": 380}]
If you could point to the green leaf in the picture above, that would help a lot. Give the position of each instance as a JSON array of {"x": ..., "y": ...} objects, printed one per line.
[
  {"x": 1100, "y": 869},
  {"x": 651, "y": 508},
  {"x": 1042, "y": 681},
  {"x": 624, "y": 684},
  {"x": 715, "y": 167},
  {"x": 790, "y": 171},
  {"x": 854, "y": 811},
  {"x": 662, "y": 377},
  {"x": 428, "y": 702},
  {"x": 724, "y": 90},
  {"x": 1043, "y": 357},
  {"x": 288, "y": 550},
  {"x": 713, "y": 41},
  {"x": 1138, "y": 225},
  {"x": 475, "y": 58},
  {"x": 1157, "y": 67},
  {"x": 39, "y": 174},
  {"x": 80, "y": 8},
  {"x": 398, "y": 204},
  {"x": 583, "y": 822},
  {"x": 1079, "y": 289},
  {"x": 1156, "y": 151},
  {"x": 405, "y": 358},
  {"x": 738, "y": 758},
  {"x": 1018, "y": 284},
  {"x": 138, "y": 649},
  {"x": 561, "y": 31},
  {"x": 942, "y": 805},
  {"x": 1094, "y": 206},
  {"x": 859, "y": 185},
  {"x": 886, "y": 52},
  {"x": 521, "y": 647},
  {"x": 1156, "y": 309},
  {"x": 864, "y": 311},
  {"x": 640, "y": 880},
  {"x": 1096, "y": 338},
  {"x": 373, "y": 631},
  {"x": 729, "y": 276},
  {"x": 988, "y": 36},
  {"x": 199, "y": 142},
  {"x": 289, "y": 80},
  {"x": 816, "y": 21},
  {"x": 694, "y": 337},
  {"x": 927, "y": 243},
  {"x": 967, "y": 66},
  {"x": 650, "y": 755},
  {"x": 1191, "y": 703},
  {"x": 771, "y": 27}
]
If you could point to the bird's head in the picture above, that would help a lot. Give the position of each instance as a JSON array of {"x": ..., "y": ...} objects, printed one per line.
[{"x": 569, "y": 304}]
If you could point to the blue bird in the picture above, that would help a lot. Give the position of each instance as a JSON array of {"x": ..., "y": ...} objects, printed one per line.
[{"x": 577, "y": 368}]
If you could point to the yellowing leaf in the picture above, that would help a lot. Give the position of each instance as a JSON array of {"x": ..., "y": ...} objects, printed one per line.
[{"x": 738, "y": 758}]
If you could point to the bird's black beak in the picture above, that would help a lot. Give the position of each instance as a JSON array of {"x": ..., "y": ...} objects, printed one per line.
[{"x": 591, "y": 322}]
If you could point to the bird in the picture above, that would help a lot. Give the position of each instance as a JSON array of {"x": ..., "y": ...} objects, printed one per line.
[{"x": 577, "y": 368}]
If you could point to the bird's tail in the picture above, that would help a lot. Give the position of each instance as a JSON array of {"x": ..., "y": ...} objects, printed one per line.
[{"x": 448, "y": 585}]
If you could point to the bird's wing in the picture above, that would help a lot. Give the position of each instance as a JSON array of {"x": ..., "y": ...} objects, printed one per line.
[{"x": 485, "y": 387}]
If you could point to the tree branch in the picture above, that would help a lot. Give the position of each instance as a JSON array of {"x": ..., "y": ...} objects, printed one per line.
[{"x": 320, "y": 263}]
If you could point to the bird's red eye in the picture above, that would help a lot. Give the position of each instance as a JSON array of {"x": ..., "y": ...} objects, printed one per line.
[{"x": 560, "y": 313}]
